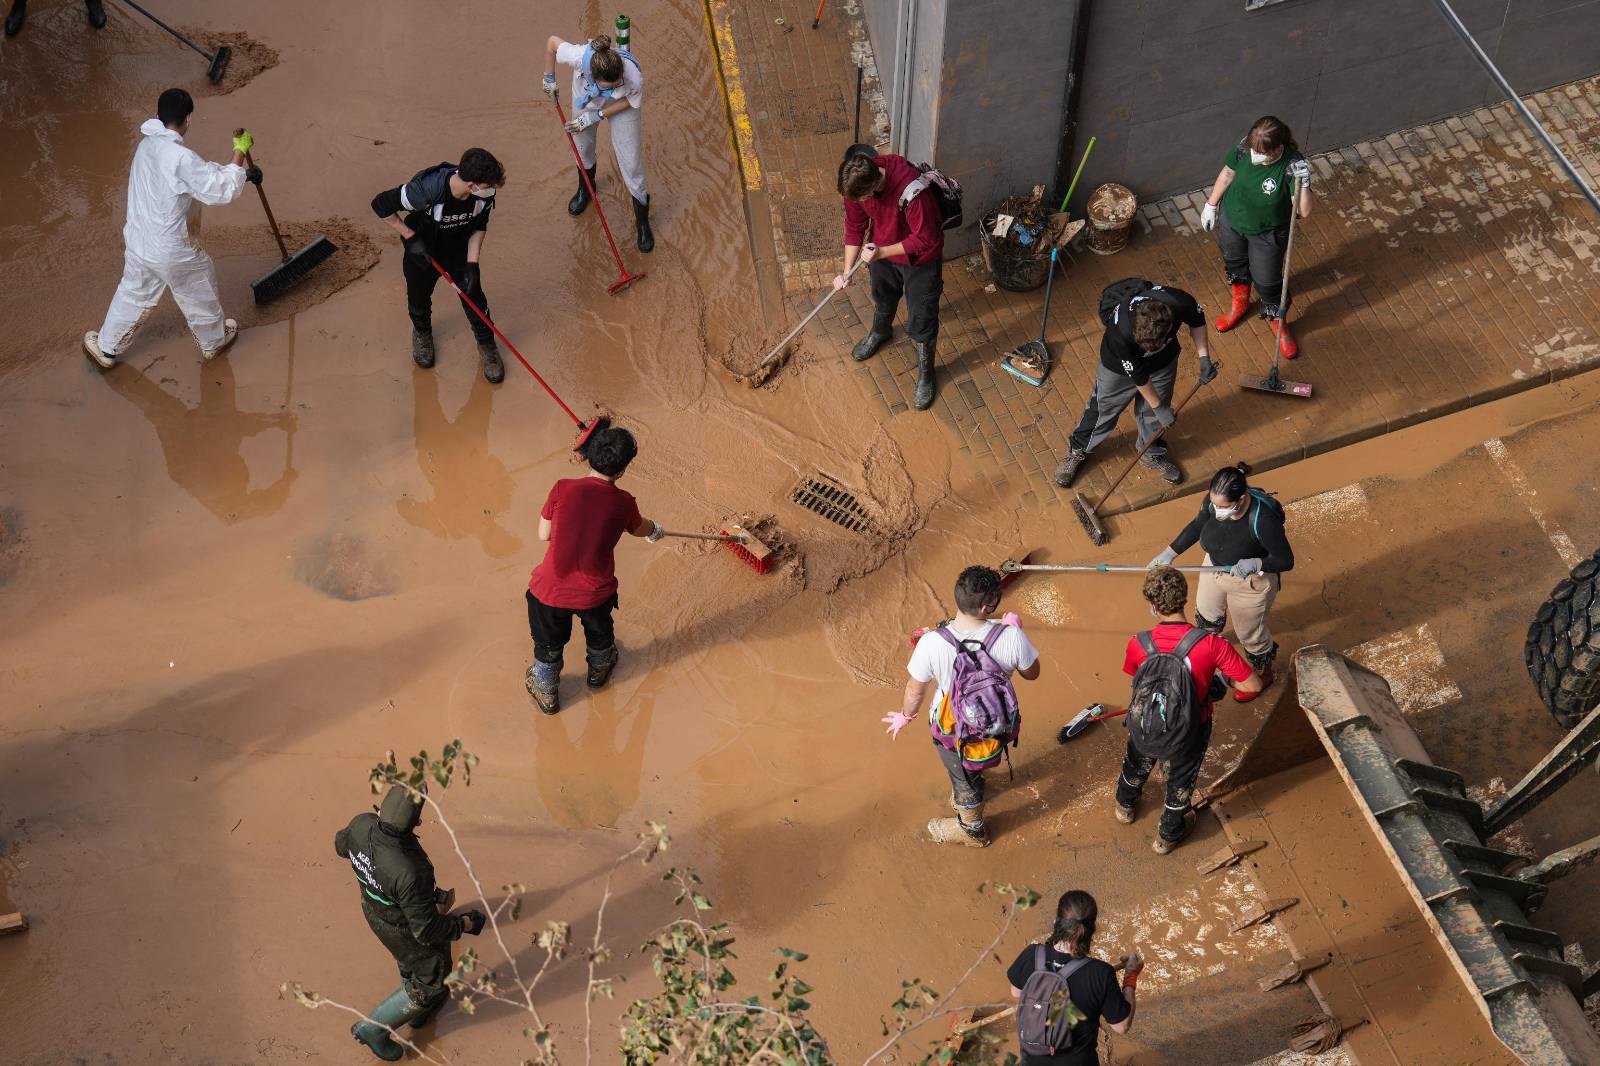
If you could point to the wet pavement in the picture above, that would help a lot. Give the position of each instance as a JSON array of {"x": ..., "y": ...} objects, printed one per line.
[{"x": 226, "y": 589}]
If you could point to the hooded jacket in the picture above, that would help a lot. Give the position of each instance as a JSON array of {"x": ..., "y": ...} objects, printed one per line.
[
  {"x": 395, "y": 877},
  {"x": 164, "y": 183},
  {"x": 917, "y": 224}
]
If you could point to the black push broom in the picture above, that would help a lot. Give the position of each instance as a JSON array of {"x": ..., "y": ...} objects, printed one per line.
[
  {"x": 272, "y": 284},
  {"x": 218, "y": 60}
]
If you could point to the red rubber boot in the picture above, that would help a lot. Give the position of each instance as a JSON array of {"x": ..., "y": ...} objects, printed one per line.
[
  {"x": 1286, "y": 345},
  {"x": 1241, "y": 306}
]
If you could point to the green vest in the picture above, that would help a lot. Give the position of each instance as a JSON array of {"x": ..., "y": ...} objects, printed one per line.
[{"x": 1258, "y": 199}]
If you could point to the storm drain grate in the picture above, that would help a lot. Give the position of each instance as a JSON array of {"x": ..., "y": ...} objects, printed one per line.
[{"x": 824, "y": 496}]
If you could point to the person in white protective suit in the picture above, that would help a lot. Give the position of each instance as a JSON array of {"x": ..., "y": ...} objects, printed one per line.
[{"x": 165, "y": 182}]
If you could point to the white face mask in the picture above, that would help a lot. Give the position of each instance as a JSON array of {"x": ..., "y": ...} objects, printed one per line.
[
  {"x": 1224, "y": 512},
  {"x": 483, "y": 194},
  {"x": 1259, "y": 158}
]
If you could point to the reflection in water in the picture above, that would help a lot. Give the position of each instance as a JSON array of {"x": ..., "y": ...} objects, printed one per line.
[
  {"x": 471, "y": 488},
  {"x": 201, "y": 443},
  {"x": 592, "y": 782}
]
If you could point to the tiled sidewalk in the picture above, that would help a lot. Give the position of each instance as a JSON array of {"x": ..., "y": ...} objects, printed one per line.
[{"x": 1441, "y": 267}]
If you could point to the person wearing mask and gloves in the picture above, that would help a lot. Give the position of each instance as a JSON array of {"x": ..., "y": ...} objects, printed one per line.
[
  {"x": 607, "y": 90},
  {"x": 1243, "y": 529},
  {"x": 402, "y": 906},
  {"x": 1249, "y": 207},
  {"x": 165, "y": 183},
  {"x": 442, "y": 215}
]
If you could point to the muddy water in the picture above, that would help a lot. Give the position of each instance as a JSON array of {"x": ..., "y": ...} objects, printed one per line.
[{"x": 226, "y": 589}]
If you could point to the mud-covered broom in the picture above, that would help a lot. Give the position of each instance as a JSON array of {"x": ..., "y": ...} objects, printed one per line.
[{"x": 274, "y": 282}]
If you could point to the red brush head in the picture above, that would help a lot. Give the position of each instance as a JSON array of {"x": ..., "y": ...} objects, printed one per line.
[
  {"x": 627, "y": 279},
  {"x": 759, "y": 559}
]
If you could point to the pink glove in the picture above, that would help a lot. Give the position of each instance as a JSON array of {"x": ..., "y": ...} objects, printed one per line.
[
  {"x": 1011, "y": 618},
  {"x": 896, "y": 721}
]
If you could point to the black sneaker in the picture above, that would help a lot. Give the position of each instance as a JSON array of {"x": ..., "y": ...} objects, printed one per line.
[
  {"x": 422, "y": 348},
  {"x": 1170, "y": 471},
  {"x": 1067, "y": 469}
]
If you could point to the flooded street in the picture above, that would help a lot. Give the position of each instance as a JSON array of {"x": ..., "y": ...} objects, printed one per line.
[{"x": 227, "y": 588}]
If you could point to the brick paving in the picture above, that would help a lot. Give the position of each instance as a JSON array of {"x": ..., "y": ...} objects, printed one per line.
[{"x": 1442, "y": 266}]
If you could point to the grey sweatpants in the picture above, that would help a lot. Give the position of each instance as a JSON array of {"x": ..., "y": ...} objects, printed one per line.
[
  {"x": 1112, "y": 394},
  {"x": 627, "y": 141}
]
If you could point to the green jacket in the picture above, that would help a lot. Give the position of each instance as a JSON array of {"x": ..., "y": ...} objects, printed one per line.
[{"x": 396, "y": 879}]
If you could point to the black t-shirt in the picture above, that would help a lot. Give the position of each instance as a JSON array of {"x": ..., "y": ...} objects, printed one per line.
[
  {"x": 1121, "y": 355},
  {"x": 1258, "y": 535},
  {"x": 444, "y": 222},
  {"x": 1093, "y": 989}
]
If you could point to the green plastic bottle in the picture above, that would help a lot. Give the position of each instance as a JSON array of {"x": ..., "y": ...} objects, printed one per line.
[{"x": 624, "y": 25}]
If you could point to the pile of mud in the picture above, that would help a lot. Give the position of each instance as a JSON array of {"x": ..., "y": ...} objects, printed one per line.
[
  {"x": 250, "y": 58},
  {"x": 748, "y": 347},
  {"x": 236, "y": 247},
  {"x": 345, "y": 566}
]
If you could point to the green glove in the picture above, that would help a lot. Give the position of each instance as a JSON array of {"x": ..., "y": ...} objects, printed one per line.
[{"x": 243, "y": 142}]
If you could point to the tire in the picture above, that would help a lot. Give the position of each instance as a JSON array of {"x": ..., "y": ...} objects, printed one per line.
[{"x": 1563, "y": 648}]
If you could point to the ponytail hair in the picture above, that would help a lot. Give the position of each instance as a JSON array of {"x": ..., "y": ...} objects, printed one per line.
[
  {"x": 1074, "y": 925},
  {"x": 1269, "y": 133},
  {"x": 858, "y": 177},
  {"x": 606, "y": 62},
  {"x": 1229, "y": 482}
]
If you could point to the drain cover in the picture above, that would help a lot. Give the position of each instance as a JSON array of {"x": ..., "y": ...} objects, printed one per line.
[{"x": 822, "y": 495}]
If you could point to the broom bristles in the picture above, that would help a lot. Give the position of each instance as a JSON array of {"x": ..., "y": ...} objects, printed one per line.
[
  {"x": 273, "y": 283},
  {"x": 1089, "y": 520},
  {"x": 759, "y": 560}
]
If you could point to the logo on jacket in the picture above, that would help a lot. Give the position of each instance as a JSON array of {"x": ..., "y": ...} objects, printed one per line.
[{"x": 1269, "y": 186}]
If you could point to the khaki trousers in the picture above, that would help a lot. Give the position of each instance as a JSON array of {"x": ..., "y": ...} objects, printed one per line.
[{"x": 1246, "y": 600}]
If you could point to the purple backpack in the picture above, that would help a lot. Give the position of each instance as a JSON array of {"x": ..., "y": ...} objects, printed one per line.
[{"x": 982, "y": 699}]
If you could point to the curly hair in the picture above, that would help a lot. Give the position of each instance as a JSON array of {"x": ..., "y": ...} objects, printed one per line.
[{"x": 1166, "y": 590}]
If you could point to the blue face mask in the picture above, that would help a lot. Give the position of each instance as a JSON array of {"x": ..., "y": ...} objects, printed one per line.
[{"x": 611, "y": 93}]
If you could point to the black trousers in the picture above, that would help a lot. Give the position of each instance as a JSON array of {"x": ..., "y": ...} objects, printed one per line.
[
  {"x": 423, "y": 967},
  {"x": 420, "y": 280},
  {"x": 1183, "y": 770},
  {"x": 921, "y": 285},
  {"x": 552, "y": 628},
  {"x": 1254, "y": 257}
]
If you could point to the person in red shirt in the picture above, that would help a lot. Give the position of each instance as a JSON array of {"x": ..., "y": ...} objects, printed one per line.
[
  {"x": 906, "y": 257},
  {"x": 583, "y": 519},
  {"x": 1167, "y": 593}
]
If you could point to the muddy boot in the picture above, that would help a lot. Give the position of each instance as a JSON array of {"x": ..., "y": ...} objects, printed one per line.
[
  {"x": 922, "y": 399},
  {"x": 1263, "y": 665},
  {"x": 1162, "y": 846},
  {"x": 494, "y": 369},
  {"x": 96, "y": 11},
  {"x": 543, "y": 681},
  {"x": 641, "y": 221},
  {"x": 1067, "y": 469},
  {"x": 882, "y": 330},
  {"x": 230, "y": 333},
  {"x": 1240, "y": 307},
  {"x": 1170, "y": 472},
  {"x": 422, "y": 348},
  {"x": 601, "y": 663},
  {"x": 1125, "y": 815},
  {"x": 581, "y": 199},
  {"x": 965, "y": 828},
  {"x": 393, "y": 1012},
  {"x": 16, "y": 17},
  {"x": 91, "y": 348}
]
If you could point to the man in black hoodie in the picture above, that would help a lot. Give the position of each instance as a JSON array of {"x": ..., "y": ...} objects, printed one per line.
[
  {"x": 401, "y": 905},
  {"x": 442, "y": 213}
]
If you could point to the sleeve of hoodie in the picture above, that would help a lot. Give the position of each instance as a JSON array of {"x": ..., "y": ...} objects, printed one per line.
[
  {"x": 855, "y": 223},
  {"x": 922, "y": 223},
  {"x": 210, "y": 183},
  {"x": 418, "y": 194}
]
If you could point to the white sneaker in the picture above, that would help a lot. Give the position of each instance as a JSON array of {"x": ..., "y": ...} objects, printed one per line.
[
  {"x": 230, "y": 332},
  {"x": 91, "y": 348}
]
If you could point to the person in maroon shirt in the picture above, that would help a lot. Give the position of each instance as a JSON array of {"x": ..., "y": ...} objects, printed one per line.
[
  {"x": 1167, "y": 593},
  {"x": 583, "y": 519},
  {"x": 906, "y": 257}
]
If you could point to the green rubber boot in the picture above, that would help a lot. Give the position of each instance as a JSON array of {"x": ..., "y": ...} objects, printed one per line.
[{"x": 393, "y": 1012}]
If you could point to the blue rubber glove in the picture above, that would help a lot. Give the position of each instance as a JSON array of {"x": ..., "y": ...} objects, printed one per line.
[{"x": 1247, "y": 568}]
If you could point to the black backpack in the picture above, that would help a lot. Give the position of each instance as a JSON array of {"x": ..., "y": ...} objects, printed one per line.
[
  {"x": 1045, "y": 1012},
  {"x": 1164, "y": 713},
  {"x": 1121, "y": 291},
  {"x": 946, "y": 190}
]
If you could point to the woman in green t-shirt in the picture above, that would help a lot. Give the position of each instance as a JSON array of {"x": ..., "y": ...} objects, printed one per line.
[{"x": 1253, "y": 190}]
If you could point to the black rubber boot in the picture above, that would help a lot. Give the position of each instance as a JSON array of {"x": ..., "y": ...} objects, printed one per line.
[
  {"x": 882, "y": 330},
  {"x": 422, "y": 348},
  {"x": 641, "y": 219},
  {"x": 16, "y": 17},
  {"x": 600, "y": 666},
  {"x": 1210, "y": 625},
  {"x": 1067, "y": 469},
  {"x": 581, "y": 199},
  {"x": 922, "y": 399},
  {"x": 96, "y": 12},
  {"x": 393, "y": 1012},
  {"x": 494, "y": 368}
]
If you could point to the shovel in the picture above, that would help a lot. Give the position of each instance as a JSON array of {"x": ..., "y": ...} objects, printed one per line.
[{"x": 1083, "y": 719}]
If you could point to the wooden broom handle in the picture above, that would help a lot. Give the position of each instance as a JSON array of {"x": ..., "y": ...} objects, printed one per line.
[{"x": 272, "y": 222}]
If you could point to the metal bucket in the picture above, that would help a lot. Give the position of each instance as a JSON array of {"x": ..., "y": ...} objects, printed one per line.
[{"x": 1111, "y": 211}]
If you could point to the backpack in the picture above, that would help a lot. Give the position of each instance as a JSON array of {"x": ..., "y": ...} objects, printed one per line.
[
  {"x": 1164, "y": 712},
  {"x": 946, "y": 190},
  {"x": 1120, "y": 292},
  {"x": 1045, "y": 1012},
  {"x": 982, "y": 699},
  {"x": 1268, "y": 501}
]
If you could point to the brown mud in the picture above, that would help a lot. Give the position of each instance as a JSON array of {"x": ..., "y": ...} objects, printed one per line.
[
  {"x": 249, "y": 59},
  {"x": 240, "y": 582}
]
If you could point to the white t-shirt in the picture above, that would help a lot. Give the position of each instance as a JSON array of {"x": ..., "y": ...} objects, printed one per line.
[
  {"x": 934, "y": 658},
  {"x": 632, "y": 87}
]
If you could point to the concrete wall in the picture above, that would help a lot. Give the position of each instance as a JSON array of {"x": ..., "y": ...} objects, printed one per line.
[{"x": 1169, "y": 85}]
